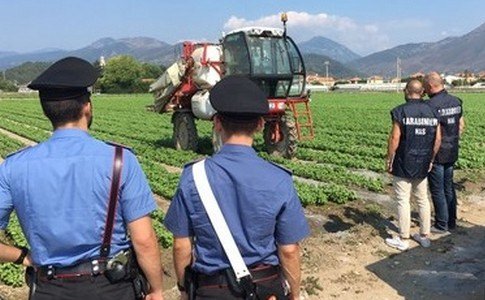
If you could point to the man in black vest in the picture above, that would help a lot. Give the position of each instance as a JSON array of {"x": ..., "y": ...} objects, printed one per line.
[
  {"x": 441, "y": 176},
  {"x": 413, "y": 144}
]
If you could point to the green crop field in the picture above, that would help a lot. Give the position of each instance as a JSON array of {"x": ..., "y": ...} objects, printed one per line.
[{"x": 351, "y": 137}]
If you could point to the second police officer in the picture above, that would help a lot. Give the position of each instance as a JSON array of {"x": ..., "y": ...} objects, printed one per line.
[{"x": 258, "y": 201}]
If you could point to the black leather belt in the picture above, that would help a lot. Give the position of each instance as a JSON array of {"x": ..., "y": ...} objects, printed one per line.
[
  {"x": 258, "y": 273},
  {"x": 89, "y": 268}
]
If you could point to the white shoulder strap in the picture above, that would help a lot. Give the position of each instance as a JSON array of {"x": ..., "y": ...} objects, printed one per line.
[{"x": 217, "y": 219}]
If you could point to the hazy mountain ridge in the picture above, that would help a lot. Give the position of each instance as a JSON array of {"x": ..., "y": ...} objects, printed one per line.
[
  {"x": 453, "y": 54},
  {"x": 450, "y": 55},
  {"x": 323, "y": 46}
]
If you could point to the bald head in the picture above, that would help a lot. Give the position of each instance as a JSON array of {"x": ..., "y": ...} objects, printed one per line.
[
  {"x": 433, "y": 83},
  {"x": 414, "y": 89}
]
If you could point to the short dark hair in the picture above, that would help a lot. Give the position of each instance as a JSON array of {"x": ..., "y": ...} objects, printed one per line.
[
  {"x": 233, "y": 126},
  {"x": 64, "y": 111}
]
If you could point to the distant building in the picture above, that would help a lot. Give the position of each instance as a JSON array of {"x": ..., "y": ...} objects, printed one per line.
[
  {"x": 24, "y": 89},
  {"x": 450, "y": 78},
  {"x": 322, "y": 80},
  {"x": 355, "y": 80},
  {"x": 375, "y": 80},
  {"x": 418, "y": 75}
]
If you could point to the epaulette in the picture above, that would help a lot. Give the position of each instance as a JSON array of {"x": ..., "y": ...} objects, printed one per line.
[
  {"x": 193, "y": 162},
  {"x": 120, "y": 145},
  {"x": 282, "y": 168},
  {"x": 18, "y": 151}
]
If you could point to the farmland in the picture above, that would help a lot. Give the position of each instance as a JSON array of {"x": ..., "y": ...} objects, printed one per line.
[
  {"x": 351, "y": 134},
  {"x": 344, "y": 162}
]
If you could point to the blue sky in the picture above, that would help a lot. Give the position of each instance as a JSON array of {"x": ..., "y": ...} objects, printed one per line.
[{"x": 364, "y": 26}]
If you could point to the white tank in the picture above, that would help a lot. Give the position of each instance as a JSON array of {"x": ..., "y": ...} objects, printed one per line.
[
  {"x": 206, "y": 76},
  {"x": 201, "y": 106}
]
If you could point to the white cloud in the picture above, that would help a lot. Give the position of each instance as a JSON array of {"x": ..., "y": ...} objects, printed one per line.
[{"x": 361, "y": 38}]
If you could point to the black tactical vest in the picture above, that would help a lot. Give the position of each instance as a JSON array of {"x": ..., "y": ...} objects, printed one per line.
[
  {"x": 418, "y": 122},
  {"x": 450, "y": 111}
]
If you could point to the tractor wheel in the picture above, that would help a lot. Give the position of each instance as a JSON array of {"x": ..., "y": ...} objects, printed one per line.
[
  {"x": 216, "y": 141},
  {"x": 184, "y": 131},
  {"x": 286, "y": 147}
]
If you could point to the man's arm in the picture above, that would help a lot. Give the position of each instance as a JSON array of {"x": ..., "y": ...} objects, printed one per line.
[
  {"x": 461, "y": 127},
  {"x": 289, "y": 256},
  {"x": 182, "y": 255},
  {"x": 11, "y": 254},
  {"x": 437, "y": 141},
  {"x": 148, "y": 254},
  {"x": 392, "y": 145}
]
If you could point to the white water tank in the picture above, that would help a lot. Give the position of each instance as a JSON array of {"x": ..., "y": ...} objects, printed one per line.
[
  {"x": 201, "y": 106},
  {"x": 206, "y": 76}
]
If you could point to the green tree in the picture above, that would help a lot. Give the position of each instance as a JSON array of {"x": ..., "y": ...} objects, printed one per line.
[
  {"x": 152, "y": 71},
  {"x": 7, "y": 86},
  {"x": 122, "y": 74}
]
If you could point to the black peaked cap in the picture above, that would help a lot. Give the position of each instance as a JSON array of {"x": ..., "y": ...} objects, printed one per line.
[
  {"x": 238, "y": 97},
  {"x": 66, "y": 79}
]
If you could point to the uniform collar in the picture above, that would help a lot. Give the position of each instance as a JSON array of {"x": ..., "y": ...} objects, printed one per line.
[
  {"x": 69, "y": 132},
  {"x": 443, "y": 91},
  {"x": 234, "y": 148}
]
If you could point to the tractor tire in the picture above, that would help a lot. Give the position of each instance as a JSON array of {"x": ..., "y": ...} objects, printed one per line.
[
  {"x": 184, "y": 131},
  {"x": 287, "y": 146},
  {"x": 216, "y": 141}
]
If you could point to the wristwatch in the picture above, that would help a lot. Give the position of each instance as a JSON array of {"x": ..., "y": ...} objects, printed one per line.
[{"x": 22, "y": 256}]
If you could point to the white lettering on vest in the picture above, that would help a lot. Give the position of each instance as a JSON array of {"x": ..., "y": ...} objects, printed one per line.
[
  {"x": 450, "y": 111},
  {"x": 420, "y": 131},
  {"x": 420, "y": 121}
]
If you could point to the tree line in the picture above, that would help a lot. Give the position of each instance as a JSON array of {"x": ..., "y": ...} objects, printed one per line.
[{"x": 120, "y": 74}]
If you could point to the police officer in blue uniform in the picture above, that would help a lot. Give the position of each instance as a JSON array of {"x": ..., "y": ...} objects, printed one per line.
[
  {"x": 413, "y": 144},
  {"x": 59, "y": 190},
  {"x": 440, "y": 178},
  {"x": 258, "y": 200}
]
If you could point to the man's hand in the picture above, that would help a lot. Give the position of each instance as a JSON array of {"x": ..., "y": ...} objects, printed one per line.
[
  {"x": 389, "y": 166},
  {"x": 27, "y": 261},
  {"x": 430, "y": 167},
  {"x": 154, "y": 296}
]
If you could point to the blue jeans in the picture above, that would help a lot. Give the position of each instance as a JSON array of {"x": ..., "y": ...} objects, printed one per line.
[{"x": 444, "y": 196}]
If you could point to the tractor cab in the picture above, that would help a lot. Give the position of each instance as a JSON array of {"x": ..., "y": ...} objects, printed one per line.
[{"x": 268, "y": 57}]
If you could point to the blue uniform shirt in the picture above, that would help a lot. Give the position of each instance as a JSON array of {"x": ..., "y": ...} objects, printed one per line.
[
  {"x": 257, "y": 199},
  {"x": 60, "y": 189}
]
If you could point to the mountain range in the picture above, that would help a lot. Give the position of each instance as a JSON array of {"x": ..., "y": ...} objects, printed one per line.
[
  {"x": 450, "y": 55},
  {"x": 453, "y": 54}
]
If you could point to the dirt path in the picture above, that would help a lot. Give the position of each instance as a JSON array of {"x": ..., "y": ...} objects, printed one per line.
[{"x": 346, "y": 257}]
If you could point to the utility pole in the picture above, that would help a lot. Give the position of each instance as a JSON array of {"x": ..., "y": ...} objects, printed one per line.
[
  {"x": 398, "y": 74},
  {"x": 326, "y": 68}
]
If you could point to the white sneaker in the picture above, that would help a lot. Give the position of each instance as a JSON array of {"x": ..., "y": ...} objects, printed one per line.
[
  {"x": 396, "y": 242},
  {"x": 422, "y": 240}
]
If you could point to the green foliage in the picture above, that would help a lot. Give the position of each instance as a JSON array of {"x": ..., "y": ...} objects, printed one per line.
[
  {"x": 10, "y": 273},
  {"x": 7, "y": 86},
  {"x": 165, "y": 238},
  {"x": 26, "y": 72},
  {"x": 122, "y": 74},
  {"x": 151, "y": 71}
]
